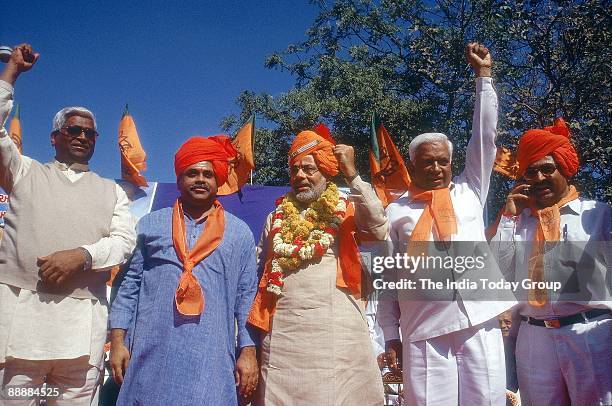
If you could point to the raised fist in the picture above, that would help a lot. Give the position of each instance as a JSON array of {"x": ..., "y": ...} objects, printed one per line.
[
  {"x": 345, "y": 155},
  {"x": 22, "y": 59},
  {"x": 479, "y": 58}
]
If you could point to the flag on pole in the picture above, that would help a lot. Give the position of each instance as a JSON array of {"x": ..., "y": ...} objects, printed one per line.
[
  {"x": 240, "y": 169},
  {"x": 15, "y": 129},
  {"x": 506, "y": 163},
  {"x": 390, "y": 177},
  {"x": 133, "y": 156}
]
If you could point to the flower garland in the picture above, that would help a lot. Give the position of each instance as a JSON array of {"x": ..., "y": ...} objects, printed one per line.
[{"x": 296, "y": 239}]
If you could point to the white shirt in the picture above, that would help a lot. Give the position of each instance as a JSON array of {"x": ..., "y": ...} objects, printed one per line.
[
  {"x": 580, "y": 221},
  {"x": 41, "y": 326},
  {"x": 420, "y": 320}
]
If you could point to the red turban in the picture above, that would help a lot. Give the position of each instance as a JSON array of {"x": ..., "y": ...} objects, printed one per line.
[
  {"x": 310, "y": 143},
  {"x": 554, "y": 140},
  {"x": 217, "y": 149}
]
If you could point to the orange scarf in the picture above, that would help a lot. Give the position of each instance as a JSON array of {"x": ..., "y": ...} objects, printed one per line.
[
  {"x": 189, "y": 297},
  {"x": 439, "y": 210},
  {"x": 348, "y": 273},
  {"x": 547, "y": 229}
]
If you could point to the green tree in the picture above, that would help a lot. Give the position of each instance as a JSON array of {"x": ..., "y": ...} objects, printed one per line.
[{"x": 405, "y": 60}]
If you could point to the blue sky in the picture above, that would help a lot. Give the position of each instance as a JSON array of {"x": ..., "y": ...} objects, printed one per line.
[{"x": 179, "y": 64}]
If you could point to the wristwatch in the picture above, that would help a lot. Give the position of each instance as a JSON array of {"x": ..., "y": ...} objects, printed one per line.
[{"x": 87, "y": 264}]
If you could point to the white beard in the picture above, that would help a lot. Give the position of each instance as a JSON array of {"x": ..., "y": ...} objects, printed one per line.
[{"x": 311, "y": 195}]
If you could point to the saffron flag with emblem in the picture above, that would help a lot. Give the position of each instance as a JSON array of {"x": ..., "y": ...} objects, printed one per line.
[
  {"x": 15, "y": 129},
  {"x": 506, "y": 163},
  {"x": 133, "y": 156},
  {"x": 390, "y": 177},
  {"x": 240, "y": 169}
]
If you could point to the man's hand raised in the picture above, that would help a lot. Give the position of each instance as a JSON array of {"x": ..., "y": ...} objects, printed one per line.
[
  {"x": 22, "y": 59},
  {"x": 345, "y": 155},
  {"x": 479, "y": 58}
]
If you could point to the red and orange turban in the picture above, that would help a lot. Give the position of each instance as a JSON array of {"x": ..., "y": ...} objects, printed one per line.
[
  {"x": 554, "y": 140},
  {"x": 310, "y": 143},
  {"x": 217, "y": 149}
]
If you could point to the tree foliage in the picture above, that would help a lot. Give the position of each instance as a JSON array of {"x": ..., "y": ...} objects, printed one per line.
[{"x": 405, "y": 60}]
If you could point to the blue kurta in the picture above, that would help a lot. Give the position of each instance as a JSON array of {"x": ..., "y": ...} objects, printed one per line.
[{"x": 179, "y": 360}]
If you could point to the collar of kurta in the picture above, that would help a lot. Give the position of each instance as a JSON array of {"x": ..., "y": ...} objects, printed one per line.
[
  {"x": 410, "y": 196},
  {"x": 572, "y": 207},
  {"x": 74, "y": 166}
]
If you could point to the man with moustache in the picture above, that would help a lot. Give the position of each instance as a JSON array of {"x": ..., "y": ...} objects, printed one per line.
[
  {"x": 563, "y": 350},
  {"x": 64, "y": 225},
  {"x": 452, "y": 350},
  {"x": 191, "y": 281},
  {"x": 316, "y": 348}
]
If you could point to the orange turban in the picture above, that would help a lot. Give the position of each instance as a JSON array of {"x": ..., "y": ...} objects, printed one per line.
[
  {"x": 554, "y": 140},
  {"x": 310, "y": 143},
  {"x": 217, "y": 149}
]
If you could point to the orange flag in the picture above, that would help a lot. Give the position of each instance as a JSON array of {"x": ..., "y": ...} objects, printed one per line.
[
  {"x": 240, "y": 170},
  {"x": 506, "y": 163},
  {"x": 389, "y": 174},
  {"x": 133, "y": 156},
  {"x": 15, "y": 129}
]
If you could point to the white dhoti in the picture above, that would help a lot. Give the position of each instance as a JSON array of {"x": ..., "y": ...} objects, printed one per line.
[
  {"x": 466, "y": 367},
  {"x": 54, "y": 339},
  {"x": 571, "y": 365}
]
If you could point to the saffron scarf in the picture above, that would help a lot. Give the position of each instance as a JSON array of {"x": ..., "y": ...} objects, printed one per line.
[
  {"x": 189, "y": 297},
  {"x": 548, "y": 229},
  {"x": 439, "y": 211}
]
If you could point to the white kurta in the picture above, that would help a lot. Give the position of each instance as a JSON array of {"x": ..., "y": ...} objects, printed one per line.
[
  {"x": 318, "y": 351},
  {"x": 421, "y": 320}
]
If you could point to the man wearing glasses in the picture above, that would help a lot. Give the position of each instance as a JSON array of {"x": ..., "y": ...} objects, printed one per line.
[
  {"x": 315, "y": 347},
  {"x": 548, "y": 234},
  {"x": 64, "y": 225}
]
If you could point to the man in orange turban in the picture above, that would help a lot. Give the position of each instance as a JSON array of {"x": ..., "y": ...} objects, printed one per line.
[
  {"x": 191, "y": 280},
  {"x": 563, "y": 350},
  {"x": 309, "y": 304}
]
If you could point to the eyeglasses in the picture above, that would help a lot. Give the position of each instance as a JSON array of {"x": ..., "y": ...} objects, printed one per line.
[
  {"x": 76, "y": 130},
  {"x": 308, "y": 170},
  {"x": 545, "y": 169}
]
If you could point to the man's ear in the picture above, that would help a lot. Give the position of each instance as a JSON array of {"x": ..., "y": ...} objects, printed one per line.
[
  {"x": 410, "y": 167},
  {"x": 53, "y": 135}
]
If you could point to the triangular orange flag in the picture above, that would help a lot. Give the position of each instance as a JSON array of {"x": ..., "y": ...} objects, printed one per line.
[
  {"x": 241, "y": 168},
  {"x": 390, "y": 177},
  {"x": 506, "y": 163},
  {"x": 15, "y": 129},
  {"x": 133, "y": 156}
]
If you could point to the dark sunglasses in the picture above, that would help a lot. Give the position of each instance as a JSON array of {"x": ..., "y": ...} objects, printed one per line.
[
  {"x": 76, "y": 130},
  {"x": 545, "y": 169}
]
